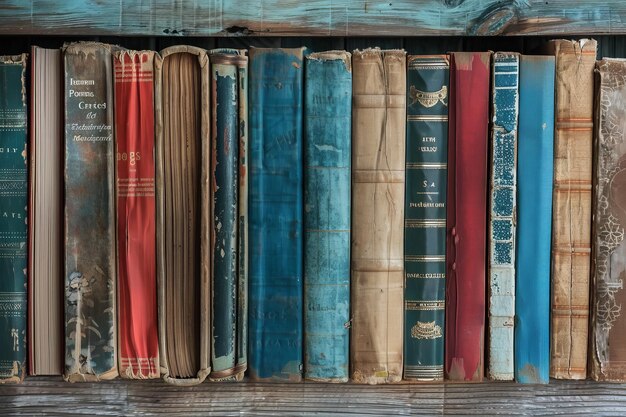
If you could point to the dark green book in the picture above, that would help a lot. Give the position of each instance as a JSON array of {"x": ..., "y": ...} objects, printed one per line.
[
  {"x": 13, "y": 231},
  {"x": 425, "y": 216}
]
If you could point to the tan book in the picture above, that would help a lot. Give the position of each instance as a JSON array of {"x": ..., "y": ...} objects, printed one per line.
[
  {"x": 378, "y": 137},
  {"x": 571, "y": 228},
  {"x": 607, "y": 356},
  {"x": 182, "y": 225}
]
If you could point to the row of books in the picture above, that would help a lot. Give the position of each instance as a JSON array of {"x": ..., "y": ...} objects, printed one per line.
[{"x": 282, "y": 214}]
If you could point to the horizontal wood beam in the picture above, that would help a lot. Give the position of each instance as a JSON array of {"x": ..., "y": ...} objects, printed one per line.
[{"x": 311, "y": 17}]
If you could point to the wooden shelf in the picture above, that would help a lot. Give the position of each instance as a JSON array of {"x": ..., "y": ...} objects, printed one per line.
[{"x": 39, "y": 395}]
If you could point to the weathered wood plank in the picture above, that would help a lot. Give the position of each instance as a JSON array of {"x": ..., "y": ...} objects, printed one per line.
[
  {"x": 51, "y": 396},
  {"x": 312, "y": 17}
]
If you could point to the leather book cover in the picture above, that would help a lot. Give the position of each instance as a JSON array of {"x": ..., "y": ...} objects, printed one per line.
[
  {"x": 535, "y": 166},
  {"x": 13, "y": 227},
  {"x": 378, "y": 144},
  {"x": 502, "y": 212},
  {"x": 428, "y": 80},
  {"x": 571, "y": 216},
  {"x": 228, "y": 100},
  {"x": 327, "y": 151},
  {"x": 607, "y": 356},
  {"x": 276, "y": 209},
  {"x": 183, "y": 213},
  {"x": 90, "y": 278},
  {"x": 466, "y": 242},
  {"x": 136, "y": 263}
]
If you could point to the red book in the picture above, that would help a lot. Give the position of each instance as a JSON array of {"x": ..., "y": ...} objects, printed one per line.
[
  {"x": 467, "y": 215},
  {"x": 136, "y": 236}
]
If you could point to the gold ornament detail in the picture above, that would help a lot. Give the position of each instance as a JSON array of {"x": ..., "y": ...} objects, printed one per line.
[
  {"x": 428, "y": 330},
  {"x": 428, "y": 99}
]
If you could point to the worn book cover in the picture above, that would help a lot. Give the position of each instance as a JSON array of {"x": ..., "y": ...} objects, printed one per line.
[
  {"x": 466, "y": 242},
  {"x": 378, "y": 145},
  {"x": 571, "y": 218},
  {"x": 327, "y": 151},
  {"x": 90, "y": 278},
  {"x": 13, "y": 225},
  {"x": 136, "y": 247},
  {"x": 425, "y": 215}
]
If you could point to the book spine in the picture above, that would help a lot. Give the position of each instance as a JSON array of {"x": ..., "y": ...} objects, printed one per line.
[
  {"x": 90, "y": 282},
  {"x": 501, "y": 289},
  {"x": 378, "y": 140},
  {"x": 535, "y": 166},
  {"x": 275, "y": 210},
  {"x": 225, "y": 142},
  {"x": 571, "y": 223},
  {"x": 13, "y": 228},
  {"x": 425, "y": 216},
  {"x": 607, "y": 357},
  {"x": 134, "y": 138},
  {"x": 327, "y": 109},
  {"x": 466, "y": 215}
]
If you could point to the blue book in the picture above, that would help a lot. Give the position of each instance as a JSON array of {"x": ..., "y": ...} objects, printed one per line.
[
  {"x": 275, "y": 214},
  {"x": 534, "y": 219},
  {"x": 327, "y": 109}
]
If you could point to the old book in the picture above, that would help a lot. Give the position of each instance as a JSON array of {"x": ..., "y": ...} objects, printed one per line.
[
  {"x": 607, "y": 356},
  {"x": 13, "y": 227},
  {"x": 229, "y": 96},
  {"x": 90, "y": 279},
  {"x": 136, "y": 263},
  {"x": 378, "y": 138},
  {"x": 535, "y": 166},
  {"x": 45, "y": 214},
  {"x": 466, "y": 242},
  {"x": 275, "y": 207},
  {"x": 502, "y": 211},
  {"x": 571, "y": 220},
  {"x": 327, "y": 111},
  {"x": 425, "y": 216},
  {"x": 183, "y": 213}
]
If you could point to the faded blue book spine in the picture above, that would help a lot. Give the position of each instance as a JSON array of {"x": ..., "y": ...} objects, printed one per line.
[
  {"x": 534, "y": 214},
  {"x": 327, "y": 110},
  {"x": 275, "y": 214}
]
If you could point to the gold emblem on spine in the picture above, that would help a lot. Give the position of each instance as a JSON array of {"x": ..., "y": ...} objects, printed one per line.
[
  {"x": 427, "y": 99},
  {"x": 428, "y": 330}
]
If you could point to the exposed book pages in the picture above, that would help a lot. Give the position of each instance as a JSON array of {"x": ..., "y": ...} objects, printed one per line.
[
  {"x": 183, "y": 213},
  {"x": 425, "y": 216},
  {"x": 136, "y": 247},
  {"x": 571, "y": 218},
  {"x": 535, "y": 166},
  {"x": 502, "y": 211},
  {"x": 466, "y": 242},
  {"x": 45, "y": 216},
  {"x": 378, "y": 143},
  {"x": 90, "y": 279},
  {"x": 13, "y": 224},
  {"x": 327, "y": 146},
  {"x": 607, "y": 356},
  {"x": 275, "y": 207},
  {"x": 229, "y": 96}
]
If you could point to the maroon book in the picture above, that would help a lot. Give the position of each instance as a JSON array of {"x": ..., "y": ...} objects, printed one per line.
[{"x": 466, "y": 215}]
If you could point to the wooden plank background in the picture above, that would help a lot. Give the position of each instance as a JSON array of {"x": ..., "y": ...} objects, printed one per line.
[{"x": 312, "y": 17}]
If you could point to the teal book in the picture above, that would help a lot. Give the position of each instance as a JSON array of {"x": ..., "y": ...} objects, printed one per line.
[
  {"x": 13, "y": 229},
  {"x": 327, "y": 146},
  {"x": 535, "y": 165},
  {"x": 428, "y": 81}
]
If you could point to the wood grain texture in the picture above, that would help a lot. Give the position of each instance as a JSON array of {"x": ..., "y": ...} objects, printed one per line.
[
  {"x": 52, "y": 397},
  {"x": 313, "y": 17}
]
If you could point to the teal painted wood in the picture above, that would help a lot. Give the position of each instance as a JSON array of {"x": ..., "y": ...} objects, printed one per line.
[
  {"x": 327, "y": 154},
  {"x": 535, "y": 152},
  {"x": 313, "y": 17},
  {"x": 503, "y": 191},
  {"x": 428, "y": 79},
  {"x": 13, "y": 229}
]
